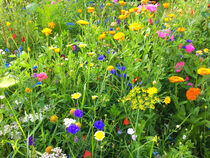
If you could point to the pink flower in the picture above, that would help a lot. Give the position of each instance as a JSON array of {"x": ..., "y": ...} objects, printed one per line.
[
  {"x": 190, "y": 48},
  {"x": 150, "y": 21},
  {"x": 52, "y": 2},
  {"x": 151, "y": 7},
  {"x": 180, "y": 46},
  {"x": 179, "y": 66},
  {"x": 41, "y": 76},
  {"x": 187, "y": 78},
  {"x": 164, "y": 33},
  {"x": 115, "y": 1},
  {"x": 190, "y": 84}
]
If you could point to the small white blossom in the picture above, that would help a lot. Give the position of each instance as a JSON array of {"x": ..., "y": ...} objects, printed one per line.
[
  {"x": 68, "y": 122},
  {"x": 130, "y": 131}
]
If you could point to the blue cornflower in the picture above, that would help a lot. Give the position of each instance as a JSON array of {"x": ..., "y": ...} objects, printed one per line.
[
  {"x": 118, "y": 66},
  {"x": 21, "y": 48},
  {"x": 113, "y": 71},
  {"x": 99, "y": 125},
  {"x": 123, "y": 68},
  {"x": 35, "y": 67},
  {"x": 70, "y": 24},
  {"x": 189, "y": 41},
  {"x": 73, "y": 129},
  {"x": 78, "y": 113},
  {"x": 7, "y": 64},
  {"x": 101, "y": 57},
  {"x": 31, "y": 141},
  {"x": 6, "y": 50},
  {"x": 125, "y": 75}
]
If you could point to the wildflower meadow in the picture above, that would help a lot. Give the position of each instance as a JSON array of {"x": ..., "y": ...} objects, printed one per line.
[{"x": 104, "y": 79}]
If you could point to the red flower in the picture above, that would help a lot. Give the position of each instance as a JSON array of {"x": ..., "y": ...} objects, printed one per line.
[
  {"x": 14, "y": 36},
  {"x": 23, "y": 39},
  {"x": 11, "y": 29},
  {"x": 126, "y": 122},
  {"x": 87, "y": 154},
  {"x": 135, "y": 79}
]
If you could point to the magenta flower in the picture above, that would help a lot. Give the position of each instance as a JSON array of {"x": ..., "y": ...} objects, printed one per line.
[
  {"x": 187, "y": 78},
  {"x": 190, "y": 84},
  {"x": 150, "y": 21},
  {"x": 190, "y": 48},
  {"x": 151, "y": 7},
  {"x": 180, "y": 46},
  {"x": 41, "y": 76},
  {"x": 115, "y": 1},
  {"x": 163, "y": 33},
  {"x": 179, "y": 66}
]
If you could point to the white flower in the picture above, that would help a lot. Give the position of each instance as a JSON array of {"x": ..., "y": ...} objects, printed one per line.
[
  {"x": 184, "y": 136},
  {"x": 68, "y": 122},
  {"x": 99, "y": 135},
  {"x": 177, "y": 126},
  {"x": 2, "y": 97},
  {"x": 130, "y": 131},
  {"x": 134, "y": 137}
]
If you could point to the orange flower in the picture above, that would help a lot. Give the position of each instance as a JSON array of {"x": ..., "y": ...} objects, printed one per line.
[
  {"x": 102, "y": 36},
  {"x": 181, "y": 29},
  {"x": 79, "y": 10},
  {"x": 166, "y": 5},
  {"x": 108, "y": 4},
  {"x": 175, "y": 79},
  {"x": 123, "y": 11},
  {"x": 48, "y": 149},
  {"x": 28, "y": 90},
  {"x": 51, "y": 25},
  {"x": 72, "y": 111},
  {"x": 121, "y": 2},
  {"x": 122, "y": 17},
  {"x": 203, "y": 71},
  {"x": 53, "y": 118},
  {"x": 90, "y": 9},
  {"x": 193, "y": 93}
]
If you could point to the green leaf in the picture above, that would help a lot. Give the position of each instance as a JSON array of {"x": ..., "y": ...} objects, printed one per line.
[
  {"x": 6, "y": 82},
  {"x": 1, "y": 117}
]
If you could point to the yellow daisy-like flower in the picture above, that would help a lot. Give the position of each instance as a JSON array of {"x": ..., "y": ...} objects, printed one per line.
[
  {"x": 82, "y": 22},
  {"x": 171, "y": 15},
  {"x": 110, "y": 68},
  {"x": 82, "y": 45},
  {"x": 119, "y": 36},
  {"x": 155, "y": 139},
  {"x": 121, "y": 17},
  {"x": 203, "y": 71},
  {"x": 135, "y": 27},
  {"x": 102, "y": 36},
  {"x": 47, "y": 31},
  {"x": 99, "y": 135},
  {"x": 8, "y": 23},
  {"x": 167, "y": 100},
  {"x": 91, "y": 53},
  {"x": 76, "y": 95},
  {"x": 152, "y": 90},
  {"x": 57, "y": 50},
  {"x": 206, "y": 50},
  {"x": 181, "y": 29},
  {"x": 122, "y": 3},
  {"x": 54, "y": 118}
]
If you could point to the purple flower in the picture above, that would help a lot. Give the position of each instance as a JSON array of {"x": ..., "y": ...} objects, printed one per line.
[
  {"x": 31, "y": 141},
  {"x": 101, "y": 58},
  {"x": 78, "y": 113},
  {"x": 73, "y": 129},
  {"x": 99, "y": 125},
  {"x": 113, "y": 71},
  {"x": 123, "y": 68}
]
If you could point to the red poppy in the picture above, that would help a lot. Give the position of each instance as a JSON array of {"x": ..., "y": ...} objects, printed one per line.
[
  {"x": 11, "y": 29},
  {"x": 23, "y": 39},
  {"x": 87, "y": 154},
  {"x": 14, "y": 36},
  {"x": 126, "y": 122}
]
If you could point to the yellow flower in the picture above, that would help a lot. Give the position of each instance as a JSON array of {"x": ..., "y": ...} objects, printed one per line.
[
  {"x": 171, "y": 15},
  {"x": 119, "y": 36},
  {"x": 199, "y": 52},
  {"x": 167, "y": 100},
  {"x": 175, "y": 79},
  {"x": 28, "y": 49},
  {"x": 203, "y": 71},
  {"x": 118, "y": 28},
  {"x": 94, "y": 97},
  {"x": 206, "y": 50},
  {"x": 99, "y": 135},
  {"x": 76, "y": 95},
  {"x": 152, "y": 90},
  {"x": 91, "y": 53},
  {"x": 181, "y": 29},
  {"x": 112, "y": 32},
  {"x": 166, "y": 19},
  {"x": 54, "y": 118},
  {"x": 91, "y": 9},
  {"x": 121, "y": 17},
  {"x": 82, "y": 22},
  {"x": 79, "y": 124},
  {"x": 110, "y": 67},
  {"x": 57, "y": 50},
  {"x": 121, "y": 3},
  {"x": 28, "y": 90},
  {"x": 47, "y": 31},
  {"x": 91, "y": 64},
  {"x": 135, "y": 27},
  {"x": 69, "y": 45},
  {"x": 8, "y": 23},
  {"x": 131, "y": 10},
  {"x": 82, "y": 45},
  {"x": 51, "y": 25}
]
